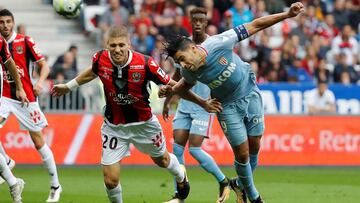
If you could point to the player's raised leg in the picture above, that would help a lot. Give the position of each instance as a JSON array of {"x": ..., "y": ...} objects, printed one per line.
[
  {"x": 48, "y": 159},
  {"x": 169, "y": 161}
]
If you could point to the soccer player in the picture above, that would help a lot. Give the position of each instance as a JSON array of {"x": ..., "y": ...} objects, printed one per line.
[
  {"x": 232, "y": 82},
  {"x": 191, "y": 122},
  {"x": 31, "y": 118},
  {"x": 125, "y": 75},
  {"x": 7, "y": 63}
]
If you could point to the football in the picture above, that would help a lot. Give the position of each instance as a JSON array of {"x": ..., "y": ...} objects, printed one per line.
[{"x": 68, "y": 8}]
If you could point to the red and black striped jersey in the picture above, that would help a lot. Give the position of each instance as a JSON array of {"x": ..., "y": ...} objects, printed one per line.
[
  {"x": 4, "y": 56},
  {"x": 24, "y": 53},
  {"x": 127, "y": 88},
  {"x": 4, "y": 51}
]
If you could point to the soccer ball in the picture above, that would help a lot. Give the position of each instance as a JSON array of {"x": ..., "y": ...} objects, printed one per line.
[{"x": 68, "y": 8}]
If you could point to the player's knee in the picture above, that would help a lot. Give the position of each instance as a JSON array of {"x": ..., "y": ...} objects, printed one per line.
[
  {"x": 242, "y": 156},
  {"x": 37, "y": 139},
  {"x": 162, "y": 161},
  {"x": 111, "y": 182}
]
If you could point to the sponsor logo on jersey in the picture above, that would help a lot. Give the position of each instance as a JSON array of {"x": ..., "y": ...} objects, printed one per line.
[
  {"x": 136, "y": 77},
  {"x": 19, "y": 49},
  {"x": 223, "y": 76},
  {"x": 123, "y": 99},
  {"x": 136, "y": 67},
  {"x": 223, "y": 61}
]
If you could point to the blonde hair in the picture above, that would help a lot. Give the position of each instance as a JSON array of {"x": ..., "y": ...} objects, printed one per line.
[{"x": 118, "y": 31}]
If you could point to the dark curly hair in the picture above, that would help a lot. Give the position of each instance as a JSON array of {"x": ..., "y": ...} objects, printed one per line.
[{"x": 176, "y": 43}]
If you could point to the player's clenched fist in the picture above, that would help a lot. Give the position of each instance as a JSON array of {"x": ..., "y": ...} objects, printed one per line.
[
  {"x": 59, "y": 90},
  {"x": 295, "y": 9},
  {"x": 165, "y": 91}
]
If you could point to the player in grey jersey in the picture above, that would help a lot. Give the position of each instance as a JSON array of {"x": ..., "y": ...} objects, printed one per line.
[{"x": 232, "y": 82}]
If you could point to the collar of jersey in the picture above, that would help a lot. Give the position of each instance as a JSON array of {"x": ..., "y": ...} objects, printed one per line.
[
  {"x": 127, "y": 62},
  {"x": 13, "y": 36}
]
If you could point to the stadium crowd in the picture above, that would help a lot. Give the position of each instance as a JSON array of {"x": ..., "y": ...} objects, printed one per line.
[{"x": 323, "y": 43}]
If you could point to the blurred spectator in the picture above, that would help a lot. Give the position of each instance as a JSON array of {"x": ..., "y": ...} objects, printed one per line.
[
  {"x": 175, "y": 29},
  {"x": 142, "y": 41},
  {"x": 322, "y": 73},
  {"x": 341, "y": 15},
  {"x": 159, "y": 48},
  {"x": 341, "y": 67},
  {"x": 73, "y": 49},
  {"x": 222, "y": 5},
  {"x": 296, "y": 73},
  {"x": 310, "y": 62},
  {"x": 260, "y": 9},
  {"x": 347, "y": 44},
  {"x": 240, "y": 13},
  {"x": 115, "y": 15},
  {"x": 227, "y": 22},
  {"x": 300, "y": 29},
  {"x": 21, "y": 29},
  {"x": 213, "y": 14},
  {"x": 211, "y": 30},
  {"x": 321, "y": 100},
  {"x": 345, "y": 78},
  {"x": 275, "y": 71},
  {"x": 275, "y": 6},
  {"x": 144, "y": 17},
  {"x": 64, "y": 68}
]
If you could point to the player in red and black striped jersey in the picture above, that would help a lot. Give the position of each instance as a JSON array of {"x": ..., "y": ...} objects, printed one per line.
[
  {"x": 125, "y": 75},
  {"x": 7, "y": 63},
  {"x": 31, "y": 118}
]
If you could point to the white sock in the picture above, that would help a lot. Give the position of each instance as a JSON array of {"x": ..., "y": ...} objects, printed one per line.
[
  {"x": 174, "y": 168},
  {"x": 2, "y": 151},
  {"x": 6, "y": 172},
  {"x": 48, "y": 159},
  {"x": 115, "y": 194}
]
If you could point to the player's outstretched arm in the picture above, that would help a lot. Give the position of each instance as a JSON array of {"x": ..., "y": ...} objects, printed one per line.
[
  {"x": 267, "y": 21},
  {"x": 183, "y": 89},
  {"x": 166, "y": 107},
  {"x": 84, "y": 77},
  {"x": 20, "y": 93},
  {"x": 44, "y": 73}
]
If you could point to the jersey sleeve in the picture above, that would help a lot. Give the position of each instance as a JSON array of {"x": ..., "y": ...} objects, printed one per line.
[
  {"x": 189, "y": 77},
  {"x": 227, "y": 39},
  {"x": 95, "y": 62},
  {"x": 35, "y": 53},
  {"x": 156, "y": 73},
  {"x": 4, "y": 50}
]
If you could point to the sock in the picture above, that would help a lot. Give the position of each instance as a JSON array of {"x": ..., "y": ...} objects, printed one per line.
[
  {"x": 178, "y": 151},
  {"x": 245, "y": 175},
  {"x": 6, "y": 172},
  {"x": 207, "y": 162},
  {"x": 253, "y": 163},
  {"x": 48, "y": 159},
  {"x": 115, "y": 194},
  {"x": 174, "y": 168},
  {"x": 2, "y": 151}
]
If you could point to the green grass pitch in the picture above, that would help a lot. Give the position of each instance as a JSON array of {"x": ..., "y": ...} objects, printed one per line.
[{"x": 154, "y": 185}]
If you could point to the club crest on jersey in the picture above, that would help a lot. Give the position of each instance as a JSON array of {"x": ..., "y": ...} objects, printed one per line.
[
  {"x": 223, "y": 61},
  {"x": 19, "y": 49},
  {"x": 136, "y": 77}
]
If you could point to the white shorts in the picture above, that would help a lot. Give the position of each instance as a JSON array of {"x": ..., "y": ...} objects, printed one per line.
[
  {"x": 147, "y": 137},
  {"x": 31, "y": 118}
]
